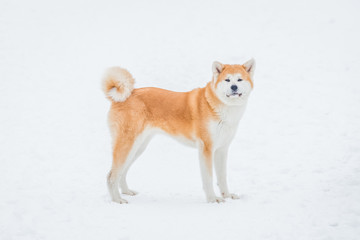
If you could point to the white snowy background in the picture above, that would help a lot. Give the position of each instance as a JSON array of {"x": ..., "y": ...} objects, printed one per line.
[{"x": 295, "y": 160}]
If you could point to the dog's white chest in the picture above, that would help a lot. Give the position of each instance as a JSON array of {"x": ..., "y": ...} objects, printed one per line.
[{"x": 223, "y": 131}]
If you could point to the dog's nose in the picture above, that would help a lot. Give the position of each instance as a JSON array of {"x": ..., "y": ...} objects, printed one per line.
[{"x": 234, "y": 87}]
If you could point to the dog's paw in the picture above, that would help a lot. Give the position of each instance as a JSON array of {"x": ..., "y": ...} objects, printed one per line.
[
  {"x": 120, "y": 200},
  {"x": 130, "y": 192},
  {"x": 215, "y": 199},
  {"x": 230, "y": 195}
]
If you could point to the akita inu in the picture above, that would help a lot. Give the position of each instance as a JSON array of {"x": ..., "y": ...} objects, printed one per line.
[{"x": 206, "y": 118}]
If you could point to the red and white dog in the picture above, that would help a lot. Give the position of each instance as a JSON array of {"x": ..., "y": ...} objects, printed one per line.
[{"x": 205, "y": 118}]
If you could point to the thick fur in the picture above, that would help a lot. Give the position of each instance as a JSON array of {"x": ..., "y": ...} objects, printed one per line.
[
  {"x": 117, "y": 84},
  {"x": 205, "y": 118}
]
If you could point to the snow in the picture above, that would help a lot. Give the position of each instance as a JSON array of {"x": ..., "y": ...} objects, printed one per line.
[{"x": 295, "y": 160}]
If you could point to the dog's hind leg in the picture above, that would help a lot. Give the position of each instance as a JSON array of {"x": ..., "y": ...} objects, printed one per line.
[
  {"x": 112, "y": 182},
  {"x": 121, "y": 154},
  {"x": 139, "y": 147}
]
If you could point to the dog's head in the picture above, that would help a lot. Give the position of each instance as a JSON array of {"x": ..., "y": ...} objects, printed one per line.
[{"x": 233, "y": 83}]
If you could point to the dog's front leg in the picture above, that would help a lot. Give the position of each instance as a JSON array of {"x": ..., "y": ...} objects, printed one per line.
[
  {"x": 206, "y": 159},
  {"x": 220, "y": 159}
]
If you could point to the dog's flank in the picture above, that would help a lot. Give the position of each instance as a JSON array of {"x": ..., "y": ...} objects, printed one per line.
[{"x": 191, "y": 117}]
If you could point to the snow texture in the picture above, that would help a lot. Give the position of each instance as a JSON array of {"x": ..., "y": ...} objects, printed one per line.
[{"x": 295, "y": 160}]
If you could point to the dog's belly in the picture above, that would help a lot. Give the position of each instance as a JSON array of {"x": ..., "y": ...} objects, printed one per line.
[
  {"x": 185, "y": 141},
  {"x": 179, "y": 138}
]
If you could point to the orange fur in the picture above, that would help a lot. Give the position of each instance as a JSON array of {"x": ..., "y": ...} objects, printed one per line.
[
  {"x": 232, "y": 69},
  {"x": 177, "y": 113},
  {"x": 184, "y": 114},
  {"x": 180, "y": 114}
]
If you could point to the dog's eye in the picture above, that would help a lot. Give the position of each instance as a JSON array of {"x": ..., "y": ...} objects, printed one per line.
[
  {"x": 239, "y": 80},
  {"x": 228, "y": 80}
]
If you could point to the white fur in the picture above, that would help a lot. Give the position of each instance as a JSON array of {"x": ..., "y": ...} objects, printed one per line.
[
  {"x": 250, "y": 67},
  {"x": 116, "y": 179},
  {"x": 138, "y": 148},
  {"x": 222, "y": 133},
  {"x": 122, "y": 79},
  {"x": 217, "y": 67},
  {"x": 119, "y": 97},
  {"x": 223, "y": 90},
  {"x": 206, "y": 175}
]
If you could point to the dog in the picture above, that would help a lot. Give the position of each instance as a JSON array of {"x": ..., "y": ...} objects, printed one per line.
[{"x": 205, "y": 118}]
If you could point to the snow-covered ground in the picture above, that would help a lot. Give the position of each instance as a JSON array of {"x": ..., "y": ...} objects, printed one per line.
[{"x": 296, "y": 157}]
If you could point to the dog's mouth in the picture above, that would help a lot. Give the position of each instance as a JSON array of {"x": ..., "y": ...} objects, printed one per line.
[{"x": 234, "y": 95}]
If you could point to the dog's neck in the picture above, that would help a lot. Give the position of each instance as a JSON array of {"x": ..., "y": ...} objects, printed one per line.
[{"x": 214, "y": 102}]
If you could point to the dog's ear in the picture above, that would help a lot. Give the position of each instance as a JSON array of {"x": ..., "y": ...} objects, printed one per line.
[
  {"x": 250, "y": 67},
  {"x": 217, "y": 68}
]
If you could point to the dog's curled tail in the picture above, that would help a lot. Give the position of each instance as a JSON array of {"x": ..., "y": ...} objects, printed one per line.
[{"x": 117, "y": 84}]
